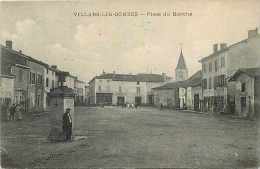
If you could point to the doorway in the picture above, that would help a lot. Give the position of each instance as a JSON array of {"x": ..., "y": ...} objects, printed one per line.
[{"x": 138, "y": 100}]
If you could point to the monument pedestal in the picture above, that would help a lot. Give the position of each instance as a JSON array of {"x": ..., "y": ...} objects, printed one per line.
[{"x": 59, "y": 99}]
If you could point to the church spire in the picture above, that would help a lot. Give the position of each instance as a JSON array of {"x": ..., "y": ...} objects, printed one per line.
[
  {"x": 181, "y": 70},
  {"x": 181, "y": 62}
]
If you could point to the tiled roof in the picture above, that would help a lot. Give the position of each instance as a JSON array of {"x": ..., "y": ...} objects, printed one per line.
[
  {"x": 172, "y": 85},
  {"x": 194, "y": 80},
  {"x": 142, "y": 77},
  {"x": 150, "y": 78},
  {"x": 25, "y": 56},
  {"x": 253, "y": 72}
]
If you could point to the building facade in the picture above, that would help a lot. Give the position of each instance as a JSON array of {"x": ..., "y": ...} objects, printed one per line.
[
  {"x": 36, "y": 88},
  {"x": 120, "y": 89},
  {"x": 167, "y": 95},
  {"x": 28, "y": 81},
  {"x": 6, "y": 89},
  {"x": 247, "y": 92},
  {"x": 194, "y": 92},
  {"x": 14, "y": 63},
  {"x": 80, "y": 92},
  {"x": 184, "y": 94},
  {"x": 50, "y": 82},
  {"x": 87, "y": 95},
  {"x": 218, "y": 95}
]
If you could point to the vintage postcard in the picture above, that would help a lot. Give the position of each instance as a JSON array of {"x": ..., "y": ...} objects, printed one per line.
[{"x": 130, "y": 84}]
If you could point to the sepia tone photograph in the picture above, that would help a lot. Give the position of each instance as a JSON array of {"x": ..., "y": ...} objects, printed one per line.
[{"x": 130, "y": 84}]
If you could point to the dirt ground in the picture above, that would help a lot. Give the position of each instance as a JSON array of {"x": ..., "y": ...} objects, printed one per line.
[{"x": 146, "y": 137}]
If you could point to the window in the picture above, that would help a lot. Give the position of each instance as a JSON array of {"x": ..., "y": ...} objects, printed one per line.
[
  {"x": 38, "y": 97},
  {"x": 243, "y": 102},
  {"x": 47, "y": 70},
  {"x": 39, "y": 79},
  {"x": 210, "y": 83},
  {"x": 99, "y": 88},
  {"x": 243, "y": 87},
  {"x": 0, "y": 81},
  {"x": 216, "y": 65},
  {"x": 222, "y": 62},
  {"x": 204, "y": 83},
  {"x": 210, "y": 67},
  {"x": 138, "y": 83},
  {"x": 20, "y": 75},
  {"x": 204, "y": 67},
  {"x": 32, "y": 78},
  {"x": 120, "y": 89},
  {"x": 138, "y": 91},
  {"x": 47, "y": 82}
]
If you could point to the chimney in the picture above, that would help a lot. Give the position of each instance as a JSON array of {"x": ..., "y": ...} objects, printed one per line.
[
  {"x": 114, "y": 72},
  {"x": 215, "y": 47},
  {"x": 54, "y": 66},
  {"x": 252, "y": 33},
  {"x": 9, "y": 44},
  {"x": 223, "y": 46}
]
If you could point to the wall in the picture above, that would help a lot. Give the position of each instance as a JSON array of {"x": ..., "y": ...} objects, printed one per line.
[
  {"x": 257, "y": 97},
  {"x": 128, "y": 90},
  {"x": 51, "y": 75},
  {"x": 92, "y": 92},
  {"x": 220, "y": 71},
  {"x": 80, "y": 92},
  {"x": 244, "y": 55},
  {"x": 70, "y": 82},
  {"x": 9, "y": 58},
  {"x": 36, "y": 91},
  {"x": 249, "y": 93},
  {"x": 6, "y": 88},
  {"x": 181, "y": 74},
  {"x": 165, "y": 97},
  {"x": 196, "y": 90}
]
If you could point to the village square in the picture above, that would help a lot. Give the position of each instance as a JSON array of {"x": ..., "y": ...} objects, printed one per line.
[
  {"x": 156, "y": 93},
  {"x": 126, "y": 120}
]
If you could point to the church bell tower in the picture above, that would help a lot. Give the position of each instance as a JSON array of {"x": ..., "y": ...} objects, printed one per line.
[{"x": 181, "y": 71}]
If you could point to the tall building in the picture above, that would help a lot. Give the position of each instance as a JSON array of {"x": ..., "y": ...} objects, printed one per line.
[
  {"x": 181, "y": 71},
  {"x": 28, "y": 73},
  {"x": 218, "y": 67}
]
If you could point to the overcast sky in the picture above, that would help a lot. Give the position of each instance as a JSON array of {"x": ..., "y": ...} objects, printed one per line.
[{"x": 85, "y": 46}]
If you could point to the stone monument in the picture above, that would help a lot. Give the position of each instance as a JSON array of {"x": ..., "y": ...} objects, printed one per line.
[{"x": 59, "y": 99}]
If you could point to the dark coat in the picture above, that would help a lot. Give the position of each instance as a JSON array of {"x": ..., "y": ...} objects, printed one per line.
[{"x": 67, "y": 123}]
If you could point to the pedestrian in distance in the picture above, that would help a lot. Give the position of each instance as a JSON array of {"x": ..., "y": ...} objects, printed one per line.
[
  {"x": 18, "y": 111},
  {"x": 67, "y": 125},
  {"x": 161, "y": 106},
  {"x": 12, "y": 112}
]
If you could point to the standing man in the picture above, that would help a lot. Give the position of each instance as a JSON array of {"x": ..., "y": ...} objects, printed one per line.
[
  {"x": 67, "y": 125},
  {"x": 12, "y": 112}
]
